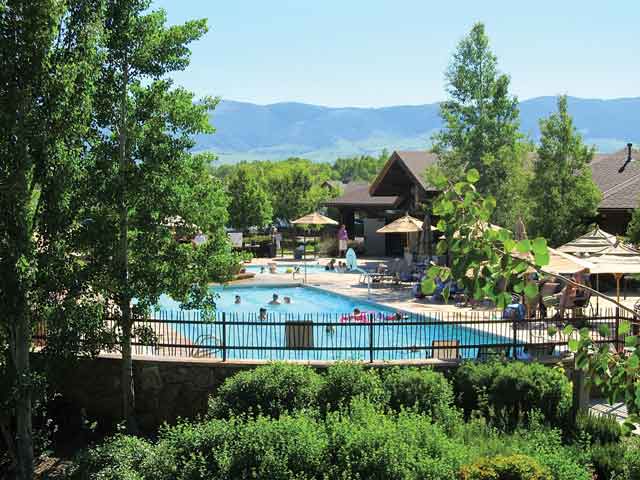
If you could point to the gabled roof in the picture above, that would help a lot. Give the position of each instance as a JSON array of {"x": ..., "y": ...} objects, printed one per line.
[
  {"x": 414, "y": 163},
  {"x": 620, "y": 191},
  {"x": 357, "y": 195}
]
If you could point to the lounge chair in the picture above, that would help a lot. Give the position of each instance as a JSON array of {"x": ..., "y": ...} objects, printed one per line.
[
  {"x": 445, "y": 349},
  {"x": 538, "y": 351},
  {"x": 487, "y": 352}
]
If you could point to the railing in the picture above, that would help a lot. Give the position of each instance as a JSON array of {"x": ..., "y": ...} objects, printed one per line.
[{"x": 367, "y": 337}]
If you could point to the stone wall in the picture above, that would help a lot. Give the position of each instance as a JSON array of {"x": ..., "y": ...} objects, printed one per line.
[{"x": 166, "y": 389}]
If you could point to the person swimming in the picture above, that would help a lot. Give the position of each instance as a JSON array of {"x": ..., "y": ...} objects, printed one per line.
[
  {"x": 263, "y": 314},
  {"x": 237, "y": 300},
  {"x": 274, "y": 300},
  {"x": 287, "y": 300},
  {"x": 262, "y": 269}
]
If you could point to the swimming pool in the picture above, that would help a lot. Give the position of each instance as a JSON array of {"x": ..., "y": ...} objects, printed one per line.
[
  {"x": 321, "y": 317},
  {"x": 288, "y": 268}
]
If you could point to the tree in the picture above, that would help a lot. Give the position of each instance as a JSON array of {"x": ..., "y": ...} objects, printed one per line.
[
  {"x": 563, "y": 196},
  {"x": 250, "y": 204},
  {"x": 362, "y": 168},
  {"x": 633, "y": 229},
  {"x": 481, "y": 122},
  {"x": 148, "y": 196},
  {"x": 47, "y": 66}
]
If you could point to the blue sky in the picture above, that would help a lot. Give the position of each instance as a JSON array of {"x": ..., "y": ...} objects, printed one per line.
[{"x": 384, "y": 52}]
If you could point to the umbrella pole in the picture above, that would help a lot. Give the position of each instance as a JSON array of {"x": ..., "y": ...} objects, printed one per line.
[
  {"x": 304, "y": 255},
  {"x": 618, "y": 277},
  {"x": 598, "y": 297}
]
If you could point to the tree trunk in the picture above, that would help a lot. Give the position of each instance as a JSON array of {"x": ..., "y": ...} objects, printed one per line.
[
  {"x": 24, "y": 441},
  {"x": 127, "y": 385}
]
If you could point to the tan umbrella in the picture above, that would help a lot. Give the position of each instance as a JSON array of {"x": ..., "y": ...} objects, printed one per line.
[
  {"x": 314, "y": 218},
  {"x": 617, "y": 259},
  {"x": 590, "y": 243},
  {"x": 406, "y": 224}
]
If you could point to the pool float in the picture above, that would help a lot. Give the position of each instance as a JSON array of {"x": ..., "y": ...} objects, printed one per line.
[{"x": 361, "y": 317}]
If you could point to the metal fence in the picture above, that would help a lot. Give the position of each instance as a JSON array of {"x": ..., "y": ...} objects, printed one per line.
[{"x": 366, "y": 337}]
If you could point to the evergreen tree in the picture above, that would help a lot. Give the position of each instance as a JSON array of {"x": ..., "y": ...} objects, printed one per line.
[
  {"x": 481, "y": 121},
  {"x": 249, "y": 203},
  {"x": 147, "y": 193},
  {"x": 563, "y": 197}
]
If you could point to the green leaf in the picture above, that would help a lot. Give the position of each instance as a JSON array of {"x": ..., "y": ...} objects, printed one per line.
[
  {"x": 509, "y": 245},
  {"x": 473, "y": 176},
  {"x": 552, "y": 330},
  {"x": 523, "y": 246},
  {"x": 634, "y": 361},
  {"x": 539, "y": 246},
  {"x": 574, "y": 345},
  {"x": 630, "y": 341},
  {"x": 489, "y": 204},
  {"x": 428, "y": 286},
  {"x": 624, "y": 327},
  {"x": 568, "y": 330},
  {"x": 604, "y": 330},
  {"x": 518, "y": 287},
  {"x": 531, "y": 290},
  {"x": 542, "y": 259}
]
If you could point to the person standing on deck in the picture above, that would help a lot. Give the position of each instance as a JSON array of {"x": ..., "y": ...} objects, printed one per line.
[{"x": 343, "y": 237}]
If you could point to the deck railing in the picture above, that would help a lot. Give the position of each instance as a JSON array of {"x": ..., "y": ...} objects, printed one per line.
[{"x": 369, "y": 337}]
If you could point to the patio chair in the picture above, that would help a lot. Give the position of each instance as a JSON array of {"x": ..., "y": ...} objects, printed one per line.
[
  {"x": 448, "y": 349},
  {"x": 538, "y": 351},
  {"x": 374, "y": 276},
  {"x": 487, "y": 352}
]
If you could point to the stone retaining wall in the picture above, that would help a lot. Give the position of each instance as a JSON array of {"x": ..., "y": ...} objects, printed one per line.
[{"x": 166, "y": 388}]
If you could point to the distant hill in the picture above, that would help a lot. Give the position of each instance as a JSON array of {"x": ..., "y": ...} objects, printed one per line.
[{"x": 245, "y": 131}]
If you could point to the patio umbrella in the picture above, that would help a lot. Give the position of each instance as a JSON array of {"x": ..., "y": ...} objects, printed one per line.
[
  {"x": 591, "y": 243},
  {"x": 314, "y": 218},
  {"x": 616, "y": 259},
  {"x": 406, "y": 224}
]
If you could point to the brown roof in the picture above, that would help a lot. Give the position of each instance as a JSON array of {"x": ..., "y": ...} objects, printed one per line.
[
  {"x": 620, "y": 191},
  {"x": 415, "y": 162},
  {"x": 357, "y": 194}
]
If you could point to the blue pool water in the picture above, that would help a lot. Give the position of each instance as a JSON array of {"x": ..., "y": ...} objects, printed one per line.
[
  {"x": 249, "y": 337},
  {"x": 284, "y": 267}
]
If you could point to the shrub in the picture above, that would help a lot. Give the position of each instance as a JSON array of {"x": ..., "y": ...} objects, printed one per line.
[
  {"x": 365, "y": 443},
  {"x": 345, "y": 381},
  {"x": 420, "y": 389},
  {"x": 599, "y": 428},
  {"x": 511, "y": 467},
  {"x": 607, "y": 460},
  {"x": 513, "y": 390},
  {"x": 116, "y": 459},
  {"x": 269, "y": 390},
  {"x": 631, "y": 458}
]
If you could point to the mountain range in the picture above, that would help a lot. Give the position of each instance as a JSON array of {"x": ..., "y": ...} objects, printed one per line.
[{"x": 246, "y": 131}]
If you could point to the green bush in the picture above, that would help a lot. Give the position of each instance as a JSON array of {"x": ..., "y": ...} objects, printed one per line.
[
  {"x": 356, "y": 443},
  {"x": 607, "y": 460},
  {"x": 631, "y": 459},
  {"x": 423, "y": 390},
  {"x": 269, "y": 390},
  {"x": 600, "y": 428},
  {"x": 512, "y": 390},
  {"x": 116, "y": 459},
  {"x": 345, "y": 381},
  {"x": 511, "y": 467},
  {"x": 364, "y": 443}
]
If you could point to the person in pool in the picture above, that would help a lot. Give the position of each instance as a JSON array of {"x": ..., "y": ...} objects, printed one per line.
[
  {"x": 331, "y": 266},
  {"x": 263, "y": 314},
  {"x": 287, "y": 300},
  {"x": 274, "y": 300},
  {"x": 237, "y": 300}
]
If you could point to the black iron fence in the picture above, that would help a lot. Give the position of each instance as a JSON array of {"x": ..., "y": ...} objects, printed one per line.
[{"x": 365, "y": 337}]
